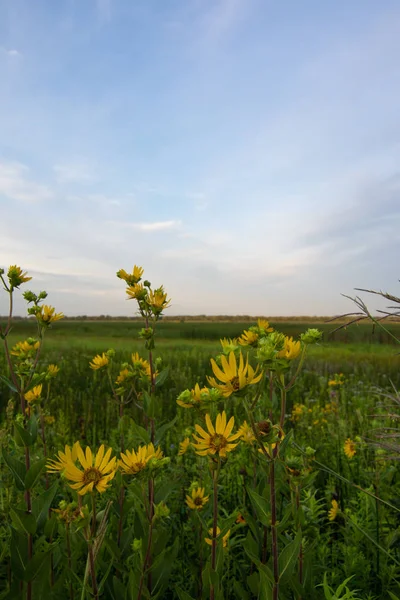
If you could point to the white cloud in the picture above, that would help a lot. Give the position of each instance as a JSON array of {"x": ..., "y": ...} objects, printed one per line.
[
  {"x": 16, "y": 184},
  {"x": 156, "y": 226},
  {"x": 78, "y": 172},
  {"x": 13, "y": 52}
]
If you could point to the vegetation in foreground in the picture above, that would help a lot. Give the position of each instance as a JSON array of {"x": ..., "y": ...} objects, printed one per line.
[{"x": 257, "y": 473}]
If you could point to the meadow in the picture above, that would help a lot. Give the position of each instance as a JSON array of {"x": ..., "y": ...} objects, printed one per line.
[{"x": 297, "y": 499}]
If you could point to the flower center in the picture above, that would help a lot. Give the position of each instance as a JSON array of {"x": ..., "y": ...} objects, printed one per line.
[
  {"x": 198, "y": 501},
  {"x": 235, "y": 383},
  {"x": 92, "y": 474},
  {"x": 218, "y": 442}
]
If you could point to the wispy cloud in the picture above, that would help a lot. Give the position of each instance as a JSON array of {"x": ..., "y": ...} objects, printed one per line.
[
  {"x": 155, "y": 226},
  {"x": 76, "y": 172},
  {"x": 15, "y": 184}
]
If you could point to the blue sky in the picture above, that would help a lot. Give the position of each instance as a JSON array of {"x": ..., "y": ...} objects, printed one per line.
[{"x": 245, "y": 152}]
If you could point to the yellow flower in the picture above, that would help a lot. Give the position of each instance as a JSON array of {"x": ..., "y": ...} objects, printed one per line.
[
  {"x": 24, "y": 349},
  {"x": 158, "y": 299},
  {"x": 133, "y": 462},
  {"x": 264, "y": 324},
  {"x": 123, "y": 374},
  {"x": 194, "y": 398},
  {"x": 297, "y": 411},
  {"x": 49, "y": 419},
  {"x": 16, "y": 276},
  {"x": 333, "y": 512},
  {"x": 35, "y": 394},
  {"x": 240, "y": 519},
  {"x": 132, "y": 278},
  {"x": 234, "y": 377},
  {"x": 136, "y": 291},
  {"x": 224, "y": 539},
  {"x": 291, "y": 349},
  {"x": 183, "y": 446},
  {"x": 198, "y": 500},
  {"x": 246, "y": 433},
  {"x": 70, "y": 455},
  {"x": 217, "y": 440},
  {"x": 97, "y": 472},
  {"x": 99, "y": 361},
  {"x": 349, "y": 448},
  {"x": 52, "y": 370},
  {"x": 229, "y": 344},
  {"x": 141, "y": 364},
  {"x": 47, "y": 315},
  {"x": 248, "y": 338}
]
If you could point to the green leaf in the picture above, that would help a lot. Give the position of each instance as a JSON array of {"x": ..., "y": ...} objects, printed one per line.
[
  {"x": 35, "y": 564},
  {"x": 161, "y": 431},
  {"x": 261, "y": 506},
  {"x": 19, "y": 553},
  {"x": 162, "y": 376},
  {"x": 266, "y": 587},
  {"x": 392, "y": 596},
  {"x": 140, "y": 432},
  {"x": 34, "y": 473},
  {"x": 41, "y": 504},
  {"x": 32, "y": 427},
  {"x": 119, "y": 589},
  {"x": 9, "y": 383},
  {"x": 182, "y": 595},
  {"x": 24, "y": 437},
  {"x": 23, "y": 522},
  {"x": 288, "y": 557},
  {"x": 17, "y": 469}
]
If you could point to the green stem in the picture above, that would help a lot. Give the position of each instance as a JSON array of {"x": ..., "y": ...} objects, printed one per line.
[{"x": 215, "y": 475}]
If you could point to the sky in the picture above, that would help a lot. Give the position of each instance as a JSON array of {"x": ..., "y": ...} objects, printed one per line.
[{"x": 246, "y": 153}]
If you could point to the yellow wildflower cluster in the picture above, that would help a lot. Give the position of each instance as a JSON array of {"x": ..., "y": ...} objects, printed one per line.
[
  {"x": 96, "y": 472},
  {"x": 34, "y": 395},
  {"x": 25, "y": 349},
  {"x": 47, "y": 315},
  {"x": 338, "y": 379}
]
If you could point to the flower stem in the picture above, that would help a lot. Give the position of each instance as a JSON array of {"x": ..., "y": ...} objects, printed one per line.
[
  {"x": 68, "y": 540},
  {"x": 214, "y": 531},
  {"x": 275, "y": 551}
]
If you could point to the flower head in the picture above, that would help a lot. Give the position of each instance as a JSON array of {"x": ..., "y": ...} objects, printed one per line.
[
  {"x": 52, "y": 371},
  {"x": 249, "y": 338},
  {"x": 218, "y": 439},
  {"x": 240, "y": 519},
  {"x": 183, "y": 446},
  {"x": 124, "y": 374},
  {"x": 141, "y": 365},
  {"x": 97, "y": 471},
  {"x": 136, "y": 291},
  {"x": 333, "y": 511},
  {"x": 47, "y": 315},
  {"x": 290, "y": 350},
  {"x": 34, "y": 395},
  {"x": 229, "y": 345},
  {"x": 264, "y": 326},
  {"x": 349, "y": 448},
  {"x": 132, "y": 462},
  {"x": 132, "y": 278},
  {"x": 224, "y": 539},
  {"x": 69, "y": 455},
  {"x": 196, "y": 397},
  {"x": 25, "y": 349},
  {"x": 234, "y": 377},
  {"x": 246, "y": 433},
  {"x": 197, "y": 500},
  {"x": 16, "y": 276},
  {"x": 99, "y": 361},
  {"x": 158, "y": 299}
]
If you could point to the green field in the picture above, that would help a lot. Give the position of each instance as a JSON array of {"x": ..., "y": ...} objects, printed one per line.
[{"x": 361, "y": 542}]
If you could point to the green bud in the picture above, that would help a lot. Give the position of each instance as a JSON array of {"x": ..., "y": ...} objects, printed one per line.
[
  {"x": 137, "y": 545},
  {"x": 110, "y": 353},
  {"x": 311, "y": 336},
  {"x": 310, "y": 451},
  {"x": 161, "y": 511}
]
